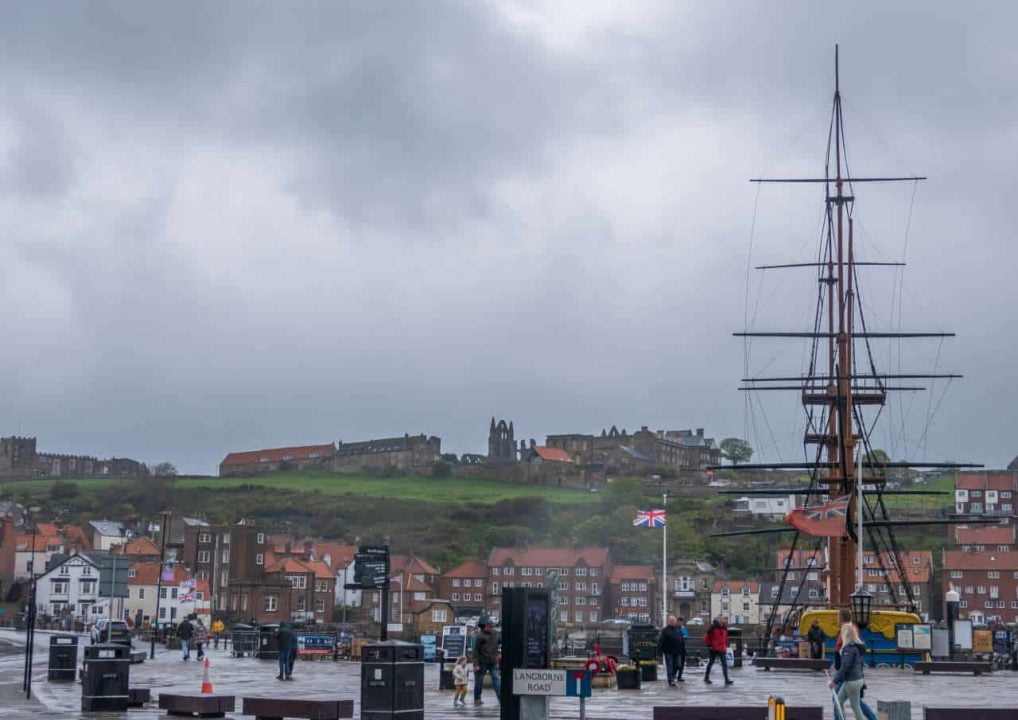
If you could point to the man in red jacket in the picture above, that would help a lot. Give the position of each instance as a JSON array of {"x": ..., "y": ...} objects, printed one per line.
[{"x": 716, "y": 641}]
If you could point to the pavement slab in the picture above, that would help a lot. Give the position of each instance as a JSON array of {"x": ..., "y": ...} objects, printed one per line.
[{"x": 326, "y": 679}]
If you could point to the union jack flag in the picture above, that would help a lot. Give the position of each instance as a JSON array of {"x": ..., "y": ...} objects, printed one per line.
[{"x": 650, "y": 518}]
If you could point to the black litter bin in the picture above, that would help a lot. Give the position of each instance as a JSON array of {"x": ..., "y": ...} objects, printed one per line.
[
  {"x": 268, "y": 643},
  {"x": 392, "y": 681},
  {"x": 735, "y": 636},
  {"x": 63, "y": 657},
  {"x": 104, "y": 685}
]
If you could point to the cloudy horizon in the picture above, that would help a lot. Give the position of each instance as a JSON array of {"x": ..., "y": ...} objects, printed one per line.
[{"x": 230, "y": 226}]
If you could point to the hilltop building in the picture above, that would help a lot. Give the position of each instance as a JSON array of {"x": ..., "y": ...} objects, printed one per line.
[
  {"x": 501, "y": 443},
  {"x": 302, "y": 457},
  {"x": 19, "y": 458},
  {"x": 674, "y": 449},
  {"x": 409, "y": 453}
]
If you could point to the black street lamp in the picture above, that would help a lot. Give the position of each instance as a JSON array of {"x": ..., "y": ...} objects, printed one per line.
[{"x": 862, "y": 607}]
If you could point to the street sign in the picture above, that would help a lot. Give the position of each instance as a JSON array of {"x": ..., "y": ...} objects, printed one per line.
[
  {"x": 394, "y": 627},
  {"x": 371, "y": 566},
  {"x": 559, "y": 683}
]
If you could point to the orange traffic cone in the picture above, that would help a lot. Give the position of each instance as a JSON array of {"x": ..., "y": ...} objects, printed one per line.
[{"x": 206, "y": 680}]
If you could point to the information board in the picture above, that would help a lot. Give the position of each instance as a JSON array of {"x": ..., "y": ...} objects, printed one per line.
[
  {"x": 454, "y": 641},
  {"x": 982, "y": 641},
  {"x": 922, "y": 637},
  {"x": 539, "y": 681},
  {"x": 537, "y": 632},
  {"x": 963, "y": 634},
  {"x": 371, "y": 566},
  {"x": 904, "y": 636}
]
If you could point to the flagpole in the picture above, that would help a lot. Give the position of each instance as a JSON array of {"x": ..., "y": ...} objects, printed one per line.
[
  {"x": 858, "y": 512},
  {"x": 664, "y": 565}
]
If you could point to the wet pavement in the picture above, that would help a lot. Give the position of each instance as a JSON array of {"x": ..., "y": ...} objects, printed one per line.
[{"x": 324, "y": 679}]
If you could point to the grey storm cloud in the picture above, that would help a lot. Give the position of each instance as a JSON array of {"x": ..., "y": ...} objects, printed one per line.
[{"x": 232, "y": 225}]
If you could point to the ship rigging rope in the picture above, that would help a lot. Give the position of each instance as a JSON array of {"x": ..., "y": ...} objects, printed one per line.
[{"x": 747, "y": 341}]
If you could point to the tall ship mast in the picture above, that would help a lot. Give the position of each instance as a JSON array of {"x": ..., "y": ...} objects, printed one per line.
[{"x": 843, "y": 392}]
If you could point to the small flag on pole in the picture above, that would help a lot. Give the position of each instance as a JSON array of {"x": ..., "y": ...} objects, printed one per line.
[{"x": 650, "y": 518}]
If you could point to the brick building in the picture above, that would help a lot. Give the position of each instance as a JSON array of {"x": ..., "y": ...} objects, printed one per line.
[
  {"x": 464, "y": 587},
  {"x": 633, "y": 593},
  {"x": 409, "y": 453},
  {"x": 302, "y": 457},
  {"x": 692, "y": 582},
  {"x": 677, "y": 449},
  {"x": 411, "y": 580},
  {"x": 980, "y": 538},
  {"x": 294, "y": 590},
  {"x": 583, "y": 575},
  {"x": 232, "y": 558},
  {"x": 889, "y": 588},
  {"x": 986, "y": 493},
  {"x": 987, "y": 583}
]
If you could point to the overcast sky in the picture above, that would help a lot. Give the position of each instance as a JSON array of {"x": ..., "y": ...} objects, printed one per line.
[{"x": 226, "y": 226}]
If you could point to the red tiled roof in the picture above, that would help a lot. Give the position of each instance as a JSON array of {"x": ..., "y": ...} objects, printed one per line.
[
  {"x": 301, "y": 452},
  {"x": 413, "y": 584},
  {"x": 340, "y": 556},
  {"x": 140, "y": 546},
  {"x": 23, "y": 543},
  {"x": 735, "y": 586},
  {"x": 548, "y": 557},
  {"x": 632, "y": 572},
  {"x": 288, "y": 565},
  {"x": 469, "y": 569},
  {"x": 961, "y": 560},
  {"x": 47, "y": 529},
  {"x": 321, "y": 570},
  {"x": 986, "y": 481},
  {"x": 412, "y": 564},
  {"x": 147, "y": 573},
  {"x": 77, "y": 537},
  {"x": 985, "y": 535},
  {"x": 553, "y": 454}
]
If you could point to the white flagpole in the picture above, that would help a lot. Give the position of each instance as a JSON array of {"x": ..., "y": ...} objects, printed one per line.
[
  {"x": 858, "y": 512},
  {"x": 664, "y": 565}
]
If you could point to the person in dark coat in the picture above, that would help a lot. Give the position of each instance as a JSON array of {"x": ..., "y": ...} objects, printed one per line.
[
  {"x": 815, "y": 636},
  {"x": 286, "y": 642},
  {"x": 485, "y": 659},
  {"x": 716, "y": 641},
  {"x": 672, "y": 645},
  {"x": 850, "y": 676},
  {"x": 185, "y": 631}
]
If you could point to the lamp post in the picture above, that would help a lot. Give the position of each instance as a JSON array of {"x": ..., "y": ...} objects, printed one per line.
[
  {"x": 952, "y": 599},
  {"x": 30, "y": 622},
  {"x": 862, "y": 607},
  {"x": 154, "y": 622}
]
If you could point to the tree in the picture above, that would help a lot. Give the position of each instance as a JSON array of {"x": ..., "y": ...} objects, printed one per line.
[
  {"x": 62, "y": 490},
  {"x": 877, "y": 457},
  {"x": 164, "y": 469},
  {"x": 736, "y": 450}
]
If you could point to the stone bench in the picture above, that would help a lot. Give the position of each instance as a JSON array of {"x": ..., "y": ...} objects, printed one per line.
[
  {"x": 969, "y": 666},
  {"x": 967, "y": 713},
  {"x": 137, "y": 697},
  {"x": 197, "y": 705},
  {"x": 778, "y": 663},
  {"x": 138, "y": 657},
  {"x": 265, "y": 708},
  {"x": 732, "y": 712}
]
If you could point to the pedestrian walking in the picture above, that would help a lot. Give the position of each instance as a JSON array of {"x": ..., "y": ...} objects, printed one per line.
[
  {"x": 201, "y": 636},
  {"x": 485, "y": 659},
  {"x": 672, "y": 645},
  {"x": 850, "y": 675},
  {"x": 217, "y": 630},
  {"x": 716, "y": 641},
  {"x": 845, "y": 617},
  {"x": 815, "y": 636},
  {"x": 286, "y": 643},
  {"x": 459, "y": 680},
  {"x": 185, "y": 631}
]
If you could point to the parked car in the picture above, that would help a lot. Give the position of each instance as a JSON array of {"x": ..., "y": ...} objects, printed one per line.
[{"x": 111, "y": 631}]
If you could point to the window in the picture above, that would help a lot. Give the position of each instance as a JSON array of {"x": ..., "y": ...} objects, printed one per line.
[
  {"x": 204, "y": 556},
  {"x": 563, "y": 586},
  {"x": 226, "y": 538},
  {"x": 581, "y": 572},
  {"x": 745, "y": 607},
  {"x": 964, "y": 603},
  {"x": 508, "y": 570},
  {"x": 204, "y": 538},
  {"x": 993, "y": 574},
  {"x": 225, "y": 557},
  {"x": 527, "y": 571},
  {"x": 141, "y": 593},
  {"x": 260, "y": 538},
  {"x": 976, "y": 508},
  {"x": 969, "y": 589},
  {"x": 581, "y": 601},
  {"x": 320, "y": 605},
  {"x": 60, "y": 588},
  {"x": 322, "y": 586},
  {"x": 582, "y": 586},
  {"x": 243, "y": 602},
  {"x": 564, "y": 616},
  {"x": 224, "y": 578},
  {"x": 977, "y": 493},
  {"x": 64, "y": 570},
  {"x": 86, "y": 570},
  {"x": 477, "y": 597},
  {"x": 594, "y": 590},
  {"x": 565, "y": 572},
  {"x": 419, "y": 595},
  {"x": 173, "y": 593},
  {"x": 593, "y": 572},
  {"x": 271, "y": 602},
  {"x": 956, "y": 574},
  {"x": 478, "y": 583},
  {"x": 162, "y": 593},
  {"x": 455, "y": 597},
  {"x": 455, "y": 582},
  {"x": 87, "y": 587},
  {"x": 494, "y": 589},
  {"x": 593, "y": 616},
  {"x": 162, "y": 613},
  {"x": 438, "y": 616},
  {"x": 259, "y": 559},
  {"x": 302, "y": 603},
  {"x": 496, "y": 570},
  {"x": 132, "y": 572},
  {"x": 298, "y": 582},
  {"x": 981, "y": 590}
]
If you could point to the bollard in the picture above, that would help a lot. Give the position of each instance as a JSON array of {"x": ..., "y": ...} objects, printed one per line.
[
  {"x": 775, "y": 708},
  {"x": 895, "y": 709}
]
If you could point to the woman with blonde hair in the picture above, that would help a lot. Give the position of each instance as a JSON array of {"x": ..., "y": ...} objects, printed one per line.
[{"x": 849, "y": 676}]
